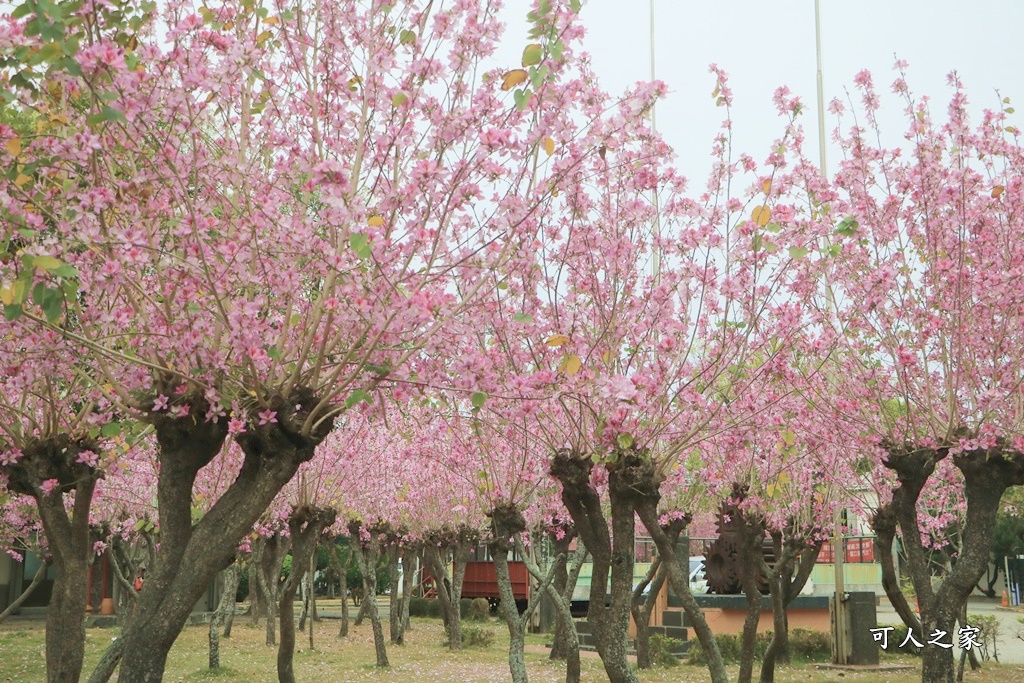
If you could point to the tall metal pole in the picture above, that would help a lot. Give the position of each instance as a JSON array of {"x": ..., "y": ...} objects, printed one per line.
[
  {"x": 821, "y": 89},
  {"x": 838, "y": 545},
  {"x": 656, "y": 263}
]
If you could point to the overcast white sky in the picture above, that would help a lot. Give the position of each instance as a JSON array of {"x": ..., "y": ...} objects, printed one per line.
[{"x": 765, "y": 44}]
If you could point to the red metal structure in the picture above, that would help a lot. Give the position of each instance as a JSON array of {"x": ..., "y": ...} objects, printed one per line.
[{"x": 481, "y": 581}]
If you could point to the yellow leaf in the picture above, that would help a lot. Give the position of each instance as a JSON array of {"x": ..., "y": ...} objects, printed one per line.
[
  {"x": 6, "y": 295},
  {"x": 770, "y": 491},
  {"x": 607, "y": 356},
  {"x": 263, "y": 37},
  {"x": 514, "y": 78},
  {"x": 556, "y": 340},
  {"x": 21, "y": 180},
  {"x": 549, "y": 146},
  {"x": 788, "y": 437},
  {"x": 571, "y": 364},
  {"x": 375, "y": 221},
  {"x": 14, "y": 146},
  {"x": 997, "y": 190},
  {"x": 761, "y": 215},
  {"x": 271, "y": 21},
  {"x": 766, "y": 185},
  {"x": 554, "y": 192},
  {"x": 783, "y": 478}
]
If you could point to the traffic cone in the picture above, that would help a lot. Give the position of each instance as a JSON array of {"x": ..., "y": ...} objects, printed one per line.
[{"x": 1006, "y": 600}]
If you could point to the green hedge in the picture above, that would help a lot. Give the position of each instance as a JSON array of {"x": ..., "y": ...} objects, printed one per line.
[{"x": 804, "y": 645}]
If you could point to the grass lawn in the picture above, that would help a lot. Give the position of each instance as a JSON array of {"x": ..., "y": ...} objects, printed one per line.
[{"x": 423, "y": 659}]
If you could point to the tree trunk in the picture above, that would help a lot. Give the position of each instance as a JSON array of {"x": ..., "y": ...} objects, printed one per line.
[
  {"x": 227, "y": 602},
  {"x": 55, "y": 461},
  {"x": 268, "y": 560},
  {"x": 394, "y": 601},
  {"x": 342, "y": 571},
  {"x": 367, "y": 558},
  {"x": 36, "y": 580},
  {"x": 305, "y": 524},
  {"x": 68, "y": 537},
  {"x": 229, "y": 618},
  {"x": 559, "y": 640},
  {"x": 561, "y": 601},
  {"x": 447, "y": 594},
  {"x": 987, "y": 475},
  {"x": 884, "y": 525},
  {"x": 751, "y": 539},
  {"x": 509, "y": 612},
  {"x": 612, "y": 554},
  {"x": 641, "y": 609},
  {"x": 679, "y": 580},
  {"x": 191, "y": 555},
  {"x": 410, "y": 568},
  {"x": 310, "y": 580},
  {"x": 108, "y": 662},
  {"x": 789, "y": 587}
]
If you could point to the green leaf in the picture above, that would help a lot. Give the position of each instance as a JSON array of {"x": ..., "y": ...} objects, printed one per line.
[
  {"x": 478, "y": 399},
  {"x": 398, "y": 99},
  {"x": 522, "y": 318},
  {"x": 575, "y": 5},
  {"x": 773, "y": 228},
  {"x": 757, "y": 242},
  {"x": 407, "y": 37},
  {"x": 107, "y": 113},
  {"x": 12, "y": 312},
  {"x": 357, "y": 396},
  {"x": 557, "y": 49},
  {"x": 48, "y": 52},
  {"x": 522, "y": 98},
  {"x": 274, "y": 353},
  {"x": 533, "y": 54},
  {"x": 360, "y": 245},
  {"x": 847, "y": 227},
  {"x": 139, "y": 525},
  {"x": 797, "y": 253},
  {"x": 111, "y": 429},
  {"x": 624, "y": 441},
  {"x": 379, "y": 369}
]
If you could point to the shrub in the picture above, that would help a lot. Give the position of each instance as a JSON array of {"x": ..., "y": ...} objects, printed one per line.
[
  {"x": 730, "y": 645},
  {"x": 809, "y": 645},
  {"x": 662, "y": 649},
  {"x": 465, "y": 604},
  {"x": 418, "y": 607},
  {"x": 433, "y": 608},
  {"x": 473, "y": 636},
  {"x": 479, "y": 610},
  {"x": 477, "y": 636},
  {"x": 989, "y": 636}
]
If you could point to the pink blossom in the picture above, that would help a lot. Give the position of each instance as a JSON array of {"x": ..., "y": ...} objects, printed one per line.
[
  {"x": 10, "y": 457},
  {"x": 88, "y": 457},
  {"x": 48, "y": 486},
  {"x": 268, "y": 417}
]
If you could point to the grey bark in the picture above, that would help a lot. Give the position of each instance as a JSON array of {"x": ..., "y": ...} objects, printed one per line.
[
  {"x": 366, "y": 557},
  {"x": 227, "y": 602}
]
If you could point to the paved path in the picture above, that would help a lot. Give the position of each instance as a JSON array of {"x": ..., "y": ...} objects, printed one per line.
[{"x": 1009, "y": 645}]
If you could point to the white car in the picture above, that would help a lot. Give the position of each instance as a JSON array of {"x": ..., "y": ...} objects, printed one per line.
[{"x": 698, "y": 582}]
